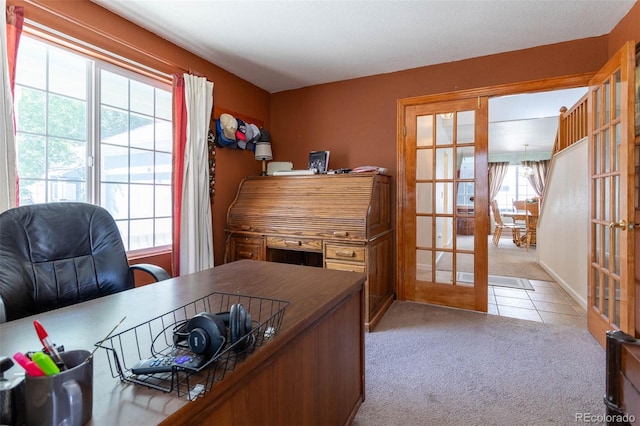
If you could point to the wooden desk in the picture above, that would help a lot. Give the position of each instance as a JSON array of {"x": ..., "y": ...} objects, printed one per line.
[
  {"x": 338, "y": 222},
  {"x": 310, "y": 372}
]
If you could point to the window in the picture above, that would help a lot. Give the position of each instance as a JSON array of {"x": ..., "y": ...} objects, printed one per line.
[
  {"x": 466, "y": 192},
  {"x": 90, "y": 131},
  {"x": 514, "y": 187}
]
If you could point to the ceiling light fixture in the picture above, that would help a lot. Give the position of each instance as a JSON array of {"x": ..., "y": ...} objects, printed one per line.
[
  {"x": 525, "y": 171},
  {"x": 447, "y": 115}
]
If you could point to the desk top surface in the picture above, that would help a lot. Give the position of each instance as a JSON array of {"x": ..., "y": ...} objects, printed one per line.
[{"x": 311, "y": 291}]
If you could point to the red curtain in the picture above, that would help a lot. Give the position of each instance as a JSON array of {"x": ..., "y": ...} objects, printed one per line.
[
  {"x": 15, "y": 21},
  {"x": 179, "y": 141}
]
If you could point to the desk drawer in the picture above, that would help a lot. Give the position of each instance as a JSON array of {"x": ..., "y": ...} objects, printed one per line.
[
  {"x": 344, "y": 252},
  {"x": 246, "y": 248},
  {"x": 350, "y": 267},
  {"x": 294, "y": 243}
]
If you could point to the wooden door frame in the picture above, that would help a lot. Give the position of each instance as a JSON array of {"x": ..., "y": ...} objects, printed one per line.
[
  {"x": 599, "y": 323},
  {"x": 532, "y": 86}
]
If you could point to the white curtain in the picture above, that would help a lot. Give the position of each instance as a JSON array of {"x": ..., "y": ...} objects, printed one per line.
[
  {"x": 196, "y": 241},
  {"x": 7, "y": 138},
  {"x": 497, "y": 172},
  {"x": 538, "y": 179}
]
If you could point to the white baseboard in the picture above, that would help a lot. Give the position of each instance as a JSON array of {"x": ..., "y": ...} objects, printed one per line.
[{"x": 578, "y": 298}]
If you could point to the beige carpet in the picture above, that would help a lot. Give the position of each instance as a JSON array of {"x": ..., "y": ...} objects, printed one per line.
[
  {"x": 430, "y": 365},
  {"x": 505, "y": 260}
]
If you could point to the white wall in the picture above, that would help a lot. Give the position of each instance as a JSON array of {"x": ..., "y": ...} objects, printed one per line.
[{"x": 562, "y": 230}]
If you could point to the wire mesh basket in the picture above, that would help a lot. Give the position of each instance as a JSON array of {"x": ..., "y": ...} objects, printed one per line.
[{"x": 154, "y": 339}]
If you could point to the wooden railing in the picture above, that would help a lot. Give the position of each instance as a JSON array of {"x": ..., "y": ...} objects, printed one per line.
[{"x": 572, "y": 125}]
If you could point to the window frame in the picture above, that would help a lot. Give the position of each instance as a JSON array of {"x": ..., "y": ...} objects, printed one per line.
[
  {"x": 508, "y": 206},
  {"x": 97, "y": 61}
]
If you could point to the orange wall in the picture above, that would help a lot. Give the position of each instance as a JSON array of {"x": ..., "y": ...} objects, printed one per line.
[
  {"x": 93, "y": 24},
  {"x": 356, "y": 119},
  {"x": 627, "y": 29}
]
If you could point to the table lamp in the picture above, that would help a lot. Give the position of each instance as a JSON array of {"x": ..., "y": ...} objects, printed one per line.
[{"x": 263, "y": 152}]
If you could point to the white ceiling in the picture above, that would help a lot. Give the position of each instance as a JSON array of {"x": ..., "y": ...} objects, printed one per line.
[
  {"x": 530, "y": 119},
  {"x": 283, "y": 45}
]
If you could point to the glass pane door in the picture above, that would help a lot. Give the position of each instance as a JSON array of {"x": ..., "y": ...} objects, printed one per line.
[
  {"x": 611, "y": 291},
  {"x": 443, "y": 143}
]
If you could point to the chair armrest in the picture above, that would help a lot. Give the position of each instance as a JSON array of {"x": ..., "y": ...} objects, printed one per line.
[{"x": 157, "y": 272}]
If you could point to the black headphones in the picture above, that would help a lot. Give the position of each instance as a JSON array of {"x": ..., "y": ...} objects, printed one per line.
[
  {"x": 239, "y": 325},
  {"x": 206, "y": 333}
]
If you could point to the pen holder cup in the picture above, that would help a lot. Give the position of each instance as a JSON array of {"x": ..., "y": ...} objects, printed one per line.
[{"x": 63, "y": 398}]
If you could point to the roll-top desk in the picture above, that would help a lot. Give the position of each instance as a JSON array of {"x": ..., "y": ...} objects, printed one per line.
[{"x": 333, "y": 221}]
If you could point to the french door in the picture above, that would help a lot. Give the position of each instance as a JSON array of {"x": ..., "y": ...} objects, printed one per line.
[
  {"x": 613, "y": 158},
  {"x": 444, "y": 213}
]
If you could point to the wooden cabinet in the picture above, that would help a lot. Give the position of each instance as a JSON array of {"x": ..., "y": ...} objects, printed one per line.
[
  {"x": 338, "y": 222},
  {"x": 465, "y": 220}
]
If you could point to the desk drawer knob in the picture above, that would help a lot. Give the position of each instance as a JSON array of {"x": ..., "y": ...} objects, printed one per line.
[
  {"x": 293, "y": 243},
  {"x": 345, "y": 253},
  {"x": 245, "y": 227},
  {"x": 245, "y": 254},
  {"x": 341, "y": 233}
]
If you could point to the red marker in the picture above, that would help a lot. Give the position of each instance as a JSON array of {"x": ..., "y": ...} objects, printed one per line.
[
  {"x": 44, "y": 339},
  {"x": 30, "y": 367}
]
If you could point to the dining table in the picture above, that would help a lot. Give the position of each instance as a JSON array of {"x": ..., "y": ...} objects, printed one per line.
[
  {"x": 519, "y": 218},
  {"x": 516, "y": 216}
]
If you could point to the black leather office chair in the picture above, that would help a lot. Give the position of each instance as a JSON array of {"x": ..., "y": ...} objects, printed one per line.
[{"x": 58, "y": 254}]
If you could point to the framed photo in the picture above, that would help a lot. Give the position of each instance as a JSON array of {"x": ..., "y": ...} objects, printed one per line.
[
  {"x": 637, "y": 90},
  {"x": 319, "y": 160}
]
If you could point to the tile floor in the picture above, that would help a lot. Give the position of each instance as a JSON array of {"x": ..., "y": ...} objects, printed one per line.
[{"x": 549, "y": 303}]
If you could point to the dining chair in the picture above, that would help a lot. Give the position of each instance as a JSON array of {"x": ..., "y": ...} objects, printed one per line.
[
  {"x": 519, "y": 205},
  {"x": 57, "y": 254},
  {"x": 533, "y": 209},
  {"x": 500, "y": 225},
  {"x": 531, "y": 223}
]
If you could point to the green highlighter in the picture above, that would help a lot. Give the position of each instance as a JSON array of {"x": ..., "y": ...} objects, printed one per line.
[{"x": 45, "y": 363}]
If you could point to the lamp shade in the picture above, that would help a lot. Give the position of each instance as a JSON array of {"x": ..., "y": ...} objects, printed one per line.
[{"x": 263, "y": 151}]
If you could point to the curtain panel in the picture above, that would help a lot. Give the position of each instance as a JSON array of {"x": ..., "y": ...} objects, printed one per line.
[
  {"x": 10, "y": 31},
  {"x": 179, "y": 141},
  {"x": 497, "y": 172},
  {"x": 191, "y": 164},
  {"x": 539, "y": 177}
]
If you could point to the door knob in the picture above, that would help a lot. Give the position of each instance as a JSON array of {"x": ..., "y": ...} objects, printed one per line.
[{"x": 622, "y": 224}]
